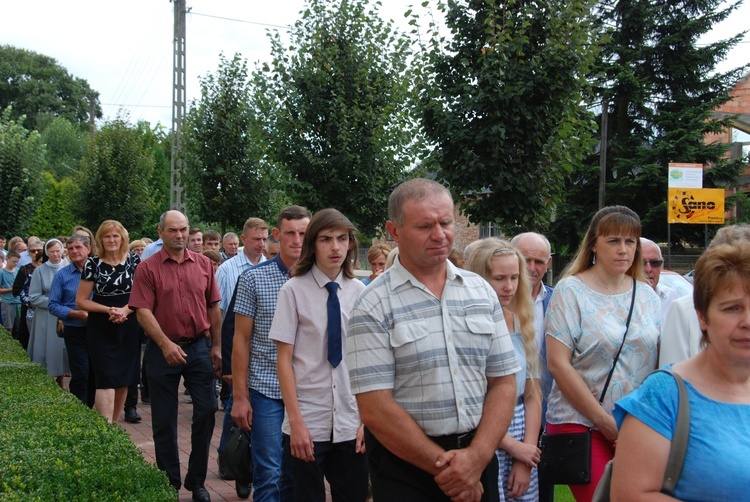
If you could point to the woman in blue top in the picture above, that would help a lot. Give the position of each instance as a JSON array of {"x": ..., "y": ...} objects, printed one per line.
[
  {"x": 718, "y": 385},
  {"x": 504, "y": 268}
]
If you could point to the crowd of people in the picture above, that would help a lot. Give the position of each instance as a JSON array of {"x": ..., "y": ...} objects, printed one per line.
[{"x": 432, "y": 378}]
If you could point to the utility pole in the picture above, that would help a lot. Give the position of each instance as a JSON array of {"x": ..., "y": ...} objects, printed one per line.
[
  {"x": 603, "y": 151},
  {"x": 179, "y": 104}
]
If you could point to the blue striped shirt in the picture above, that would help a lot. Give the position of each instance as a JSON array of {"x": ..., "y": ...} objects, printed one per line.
[
  {"x": 227, "y": 275},
  {"x": 433, "y": 354},
  {"x": 257, "y": 291}
]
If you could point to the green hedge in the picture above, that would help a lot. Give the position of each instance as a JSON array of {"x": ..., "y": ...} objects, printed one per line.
[{"x": 52, "y": 447}]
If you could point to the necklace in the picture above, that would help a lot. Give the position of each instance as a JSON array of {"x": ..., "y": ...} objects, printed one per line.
[{"x": 619, "y": 288}]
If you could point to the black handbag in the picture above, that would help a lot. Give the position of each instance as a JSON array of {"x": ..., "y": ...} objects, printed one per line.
[
  {"x": 236, "y": 456},
  {"x": 566, "y": 457}
]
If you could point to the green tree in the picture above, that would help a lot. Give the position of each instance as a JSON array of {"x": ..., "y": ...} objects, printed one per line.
[
  {"x": 36, "y": 85},
  {"x": 55, "y": 215},
  {"x": 114, "y": 176},
  {"x": 65, "y": 143},
  {"x": 226, "y": 178},
  {"x": 22, "y": 161},
  {"x": 662, "y": 88},
  {"x": 502, "y": 101},
  {"x": 338, "y": 117},
  {"x": 158, "y": 139}
]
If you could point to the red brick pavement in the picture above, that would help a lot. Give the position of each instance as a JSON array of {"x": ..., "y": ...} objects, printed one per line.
[{"x": 142, "y": 436}]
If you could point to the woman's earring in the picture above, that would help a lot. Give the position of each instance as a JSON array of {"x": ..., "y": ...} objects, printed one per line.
[{"x": 593, "y": 261}]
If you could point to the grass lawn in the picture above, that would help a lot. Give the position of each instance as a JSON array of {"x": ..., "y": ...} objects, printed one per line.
[{"x": 562, "y": 494}]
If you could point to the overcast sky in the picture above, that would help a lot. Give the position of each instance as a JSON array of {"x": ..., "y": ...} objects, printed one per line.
[{"x": 124, "y": 50}]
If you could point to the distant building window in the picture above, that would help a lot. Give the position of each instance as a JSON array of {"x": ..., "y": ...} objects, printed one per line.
[{"x": 489, "y": 229}]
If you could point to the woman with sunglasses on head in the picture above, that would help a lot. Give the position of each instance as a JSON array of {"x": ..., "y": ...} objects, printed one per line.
[
  {"x": 591, "y": 334},
  {"x": 504, "y": 267}
]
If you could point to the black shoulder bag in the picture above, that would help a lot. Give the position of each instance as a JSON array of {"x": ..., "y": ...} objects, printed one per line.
[{"x": 566, "y": 458}]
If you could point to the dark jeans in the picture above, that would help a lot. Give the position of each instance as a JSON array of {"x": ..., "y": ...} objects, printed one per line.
[
  {"x": 164, "y": 381},
  {"x": 345, "y": 470},
  {"x": 396, "y": 479},
  {"x": 82, "y": 382}
]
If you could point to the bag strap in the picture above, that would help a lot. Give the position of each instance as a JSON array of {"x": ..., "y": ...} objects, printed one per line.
[
  {"x": 617, "y": 356},
  {"x": 680, "y": 437}
]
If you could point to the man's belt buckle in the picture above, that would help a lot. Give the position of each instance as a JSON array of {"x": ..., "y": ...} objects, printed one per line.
[
  {"x": 189, "y": 342},
  {"x": 464, "y": 440}
]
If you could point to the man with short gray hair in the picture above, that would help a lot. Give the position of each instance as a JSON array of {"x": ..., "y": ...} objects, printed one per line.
[
  {"x": 430, "y": 362},
  {"x": 652, "y": 267},
  {"x": 230, "y": 245}
]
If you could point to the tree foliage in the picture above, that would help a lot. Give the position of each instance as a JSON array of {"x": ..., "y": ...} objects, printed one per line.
[
  {"x": 115, "y": 175},
  {"x": 66, "y": 143},
  {"x": 662, "y": 88},
  {"x": 159, "y": 141},
  {"x": 502, "y": 100},
  {"x": 55, "y": 216},
  {"x": 339, "y": 118},
  {"x": 22, "y": 160},
  {"x": 226, "y": 175},
  {"x": 36, "y": 85}
]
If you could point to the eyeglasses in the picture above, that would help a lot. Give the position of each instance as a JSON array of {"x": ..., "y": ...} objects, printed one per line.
[{"x": 653, "y": 263}]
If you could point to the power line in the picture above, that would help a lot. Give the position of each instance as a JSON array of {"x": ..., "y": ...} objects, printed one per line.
[
  {"x": 267, "y": 25},
  {"x": 135, "y": 106}
]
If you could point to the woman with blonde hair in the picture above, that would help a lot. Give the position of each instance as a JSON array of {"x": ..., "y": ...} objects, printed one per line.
[
  {"x": 113, "y": 338},
  {"x": 504, "y": 267},
  {"x": 137, "y": 247},
  {"x": 602, "y": 329},
  {"x": 376, "y": 257}
]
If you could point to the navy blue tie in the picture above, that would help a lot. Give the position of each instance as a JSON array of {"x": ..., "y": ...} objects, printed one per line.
[{"x": 334, "y": 325}]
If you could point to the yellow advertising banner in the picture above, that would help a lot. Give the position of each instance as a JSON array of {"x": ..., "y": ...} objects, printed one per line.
[{"x": 696, "y": 205}]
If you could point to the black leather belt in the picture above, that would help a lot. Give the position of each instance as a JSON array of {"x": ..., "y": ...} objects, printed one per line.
[
  {"x": 454, "y": 441},
  {"x": 187, "y": 342}
]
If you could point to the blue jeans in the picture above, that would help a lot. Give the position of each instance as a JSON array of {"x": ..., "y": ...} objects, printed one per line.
[{"x": 272, "y": 467}]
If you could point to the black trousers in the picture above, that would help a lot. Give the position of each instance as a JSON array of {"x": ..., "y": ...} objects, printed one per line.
[
  {"x": 396, "y": 479},
  {"x": 164, "y": 381},
  {"x": 339, "y": 463},
  {"x": 131, "y": 401},
  {"x": 82, "y": 382}
]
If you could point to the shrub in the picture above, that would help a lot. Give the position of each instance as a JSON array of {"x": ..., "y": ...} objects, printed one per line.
[{"x": 52, "y": 447}]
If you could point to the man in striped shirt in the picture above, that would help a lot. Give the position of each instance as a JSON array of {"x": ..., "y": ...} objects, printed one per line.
[{"x": 430, "y": 362}]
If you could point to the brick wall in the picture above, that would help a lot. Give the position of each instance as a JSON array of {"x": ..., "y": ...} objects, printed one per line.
[{"x": 740, "y": 102}]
